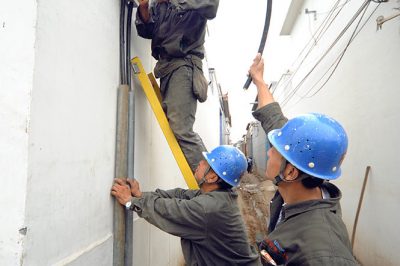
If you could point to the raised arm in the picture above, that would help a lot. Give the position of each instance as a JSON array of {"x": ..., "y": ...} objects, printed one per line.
[
  {"x": 268, "y": 111},
  {"x": 257, "y": 74},
  {"x": 144, "y": 22}
]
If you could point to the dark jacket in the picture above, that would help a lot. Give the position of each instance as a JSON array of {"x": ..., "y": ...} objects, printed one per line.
[
  {"x": 177, "y": 28},
  {"x": 210, "y": 225},
  {"x": 310, "y": 232}
]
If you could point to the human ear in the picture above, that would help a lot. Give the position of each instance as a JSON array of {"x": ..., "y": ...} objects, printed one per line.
[
  {"x": 291, "y": 173},
  {"x": 212, "y": 177}
]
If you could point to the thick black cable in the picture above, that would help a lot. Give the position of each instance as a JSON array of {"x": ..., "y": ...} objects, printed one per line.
[
  {"x": 128, "y": 43},
  {"x": 263, "y": 37},
  {"x": 122, "y": 43}
]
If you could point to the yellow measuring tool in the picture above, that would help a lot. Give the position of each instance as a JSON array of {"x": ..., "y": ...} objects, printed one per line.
[{"x": 152, "y": 92}]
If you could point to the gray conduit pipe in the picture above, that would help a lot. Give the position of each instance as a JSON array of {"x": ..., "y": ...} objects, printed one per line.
[
  {"x": 121, "y": 171},
  {"x": 121, "y": 149}
]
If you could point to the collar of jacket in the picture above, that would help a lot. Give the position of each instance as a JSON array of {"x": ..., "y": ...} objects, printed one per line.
[{"x": 305, "y": 206}]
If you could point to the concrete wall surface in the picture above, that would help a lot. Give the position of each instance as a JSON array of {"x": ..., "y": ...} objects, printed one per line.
[
  {"x": 17, "y": 40},
  {"x": 72, "y": 133},
  {"x": 59, "y": 78},
  {"x": 362, "y": 94}
]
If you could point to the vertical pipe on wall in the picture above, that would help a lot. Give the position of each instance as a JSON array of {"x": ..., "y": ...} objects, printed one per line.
[
  {"x": 121, "y": 171},
  {"x": 131, "y": 158}
]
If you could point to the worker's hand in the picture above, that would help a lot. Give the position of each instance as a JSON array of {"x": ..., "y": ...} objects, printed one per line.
[
  {"x": 121, "y": 191},
  {"x": 135, "y": 189},
  {"x": 144, "y": 3},
  {"x": 257, "y": 69}
]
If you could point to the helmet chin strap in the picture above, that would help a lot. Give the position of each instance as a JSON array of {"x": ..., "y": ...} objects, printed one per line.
[
  {"x": 203, "y": 179},
  {"x": 280, "y": 177}
]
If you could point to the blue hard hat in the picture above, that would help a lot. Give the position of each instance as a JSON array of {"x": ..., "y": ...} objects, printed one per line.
[
  {"x": 228, "y": 162},
  {"x": 314, "y": 143}
]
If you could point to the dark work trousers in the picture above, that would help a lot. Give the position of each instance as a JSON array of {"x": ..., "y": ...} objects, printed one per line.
[{"x": 180, "y": 105}]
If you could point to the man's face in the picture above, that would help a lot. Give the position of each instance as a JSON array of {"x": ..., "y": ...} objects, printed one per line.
[
  {"x": 202, "y": 167},
  {"x": 274, "y": 163}
]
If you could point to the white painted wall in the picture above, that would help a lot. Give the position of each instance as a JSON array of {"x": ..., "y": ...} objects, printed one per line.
[
  {"x": 17, "y": 40},
  {"x": 363, "y": 95},
  {"x": 72, "y": 133}
]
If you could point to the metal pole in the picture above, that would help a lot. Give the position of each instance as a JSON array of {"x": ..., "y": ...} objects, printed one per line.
[
  {"x": 131, "y": 158},
  {"x": 353, "y": 235},
  {"x": 121, "y": 171}
]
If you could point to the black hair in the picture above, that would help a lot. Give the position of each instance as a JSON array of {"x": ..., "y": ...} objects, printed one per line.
[
  {"x": 311, "y": 182},
  {"x": 223, "y": 185}
]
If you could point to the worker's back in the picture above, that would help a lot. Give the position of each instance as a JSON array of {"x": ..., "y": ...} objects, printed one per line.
[{"x": 225, "y": 239}]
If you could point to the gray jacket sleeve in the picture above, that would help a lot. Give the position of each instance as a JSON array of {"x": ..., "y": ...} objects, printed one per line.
[
  {"x": 270, "y": 116},
  {"x": 144, "y": 30},
  {"x": 178, "y": 193},
  {"x": 206, "y": 8},
  {"x": 179, "y": 217}
]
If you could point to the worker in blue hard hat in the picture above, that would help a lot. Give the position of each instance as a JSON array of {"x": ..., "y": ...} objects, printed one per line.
[
  {"x": 207, "y": 220},
  {"x": 307, "y": 151}
]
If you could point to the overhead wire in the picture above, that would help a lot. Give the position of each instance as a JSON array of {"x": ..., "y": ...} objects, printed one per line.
[
  {"x": 321, "y": 30},
  {"x": 320, "y": 35},
  {"x": 341, "y": 34},
  {"x": 294, "y": 91},
  {"x": 340, "y": 57}
]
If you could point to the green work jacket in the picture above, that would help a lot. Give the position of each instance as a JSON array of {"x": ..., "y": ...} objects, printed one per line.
[{"x": 209, "y": 224}]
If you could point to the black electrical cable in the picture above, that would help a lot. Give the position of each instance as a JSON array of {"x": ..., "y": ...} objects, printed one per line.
[
  {"x": 263, "y": 37},
  {"x": 122, "y": 43},
  {"x": 128, "y": 43}
]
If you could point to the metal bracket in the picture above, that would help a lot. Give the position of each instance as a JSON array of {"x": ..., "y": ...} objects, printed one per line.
[
  {"x": 381, "y": 19},
  {"x": 135, "y": 68},
  {"x": 306, "y": 11}
]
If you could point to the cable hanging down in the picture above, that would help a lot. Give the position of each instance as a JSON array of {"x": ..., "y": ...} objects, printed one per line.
[{"x": 263, "y": 37}]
